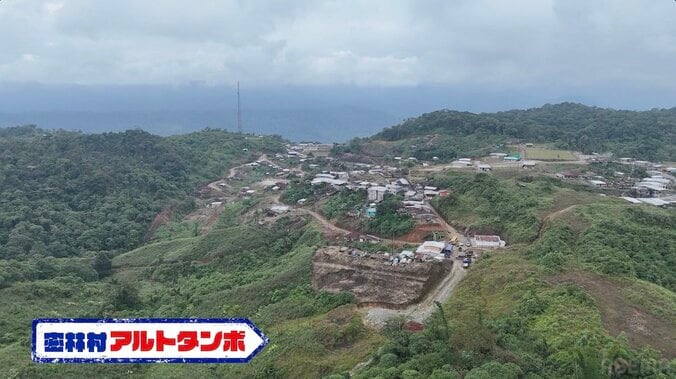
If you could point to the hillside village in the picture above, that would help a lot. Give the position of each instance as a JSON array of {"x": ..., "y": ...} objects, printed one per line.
[
  {"x": 305, "y": 179},
  {"x": 346, "y": 254}
]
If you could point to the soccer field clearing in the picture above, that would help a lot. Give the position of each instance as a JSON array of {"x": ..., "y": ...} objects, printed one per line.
[{"x": 549, "y": 155}]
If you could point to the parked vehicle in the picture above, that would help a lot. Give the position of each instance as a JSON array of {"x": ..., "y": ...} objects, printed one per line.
[{"x": 466, "y": 262}]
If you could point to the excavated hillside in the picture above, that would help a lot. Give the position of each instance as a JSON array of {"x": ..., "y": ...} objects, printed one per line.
[{"x": 373, "y": 279}]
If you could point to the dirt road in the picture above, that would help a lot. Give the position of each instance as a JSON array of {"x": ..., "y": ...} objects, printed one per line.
[
  {"x": 328, "y": 225},
  {"x": 374, "y": 315},
  {"x": 377, "y": 316}
]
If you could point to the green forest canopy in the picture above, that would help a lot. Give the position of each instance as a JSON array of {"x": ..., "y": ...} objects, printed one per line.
[
  {"x": 65, "y": 193},
  {"x": 640, "y": 134}
]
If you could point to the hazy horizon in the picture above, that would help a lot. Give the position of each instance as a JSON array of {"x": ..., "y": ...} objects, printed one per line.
[
  {"x": 323, "y": 113},
  {"x": 309, "y": 67}
]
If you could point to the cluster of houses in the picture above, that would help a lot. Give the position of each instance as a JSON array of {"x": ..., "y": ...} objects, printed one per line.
[
  {"x": 462, "y": 162},
  {"x": 279, "y": 171},
  {"x": 310, "y": 147},
  {"x": 506, "y": 157},
  {"x": 484, "y": 167},
  {"x": 377, "y": 190},
  {"x": 440, "y": 250},
  {"x": 656, "y": 183},
  {"x": 305, "y": 150},
  {"x": 655, "y": 189}
]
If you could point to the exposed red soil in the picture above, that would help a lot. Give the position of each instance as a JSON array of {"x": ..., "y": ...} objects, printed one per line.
[
  {"x": 420, "y": 231},
  {"x": 159, "y": 220}
]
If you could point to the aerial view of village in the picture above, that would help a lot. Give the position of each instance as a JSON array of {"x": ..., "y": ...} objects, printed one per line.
[
  {"x": 350, "y": 189},
  {"x": 414, "y": 257}
]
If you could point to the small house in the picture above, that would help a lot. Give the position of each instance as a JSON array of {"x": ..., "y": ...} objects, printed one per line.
[
  {"x": 597, "y": 183},
  {"x": 483, "y": 168},
  {"x": 340, "y": 175},
  {"x": 215, "y": 204},
  {"x": 279, "y": 209},
  {"x": 487, "y": 241},
  {"x": 376, "y": 193},
  {"x": 432, "y": 250}
]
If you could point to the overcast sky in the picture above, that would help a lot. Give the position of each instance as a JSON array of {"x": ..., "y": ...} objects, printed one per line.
[{"x": 500, "y": 43}]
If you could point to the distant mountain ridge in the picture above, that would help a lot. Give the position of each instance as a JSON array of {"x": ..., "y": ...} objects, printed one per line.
[
  {"x": 641, "y": 134},
  {"x": 326, "y": 125}
]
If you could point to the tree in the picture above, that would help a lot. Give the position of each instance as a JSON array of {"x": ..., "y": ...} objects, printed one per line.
[{"x": 102, "y": 264}]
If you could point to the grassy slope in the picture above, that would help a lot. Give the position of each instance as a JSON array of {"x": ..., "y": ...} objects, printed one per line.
[
  {"x": 513, "y": 207},
  {"x": 570, "y": 318},
  {"x": 545, "y": 154},
  {"x": 510, "y": 311},
  {"x": 242, "y": 270}
]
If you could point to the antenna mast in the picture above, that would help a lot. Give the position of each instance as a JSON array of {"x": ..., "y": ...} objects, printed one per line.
[{"x": 239, "y": 112}]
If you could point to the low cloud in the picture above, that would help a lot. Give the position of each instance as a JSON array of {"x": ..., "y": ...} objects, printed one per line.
[{"x": 504, "y": 44}]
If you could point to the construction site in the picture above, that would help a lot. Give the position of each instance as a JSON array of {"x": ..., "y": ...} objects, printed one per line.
[{"x": 375, "y": 279}]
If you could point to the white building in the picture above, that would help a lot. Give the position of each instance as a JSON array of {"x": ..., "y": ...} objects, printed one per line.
[
  {"x": 654, "y": 201},
  {"x": 279, "y": 209},
  {"x": 377, "y": 193},
  {"x": 411, "y": 195},
  {"x": 326, "y": 176},
  {"x": 215, "y": 204},
  {"x": 431, "y": 249},
  {"x": 656, "y": 182},
  {"x": 487, "y": 241},
  {"x": 597, "y": 183},
  {"x": 483, "y": 167},
  {"x": 403, "y": 182},
  {"x": 340, "y": 175},
  {"x": 460, "y": 164},
  {"x": 333, "y": 182}
]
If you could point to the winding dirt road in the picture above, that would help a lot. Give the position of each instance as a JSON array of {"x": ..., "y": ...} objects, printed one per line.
[
  {"x": 374, "y": 315},
  {"x": 336, "y": 229},
  {"x": 377, "y": 316}
]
